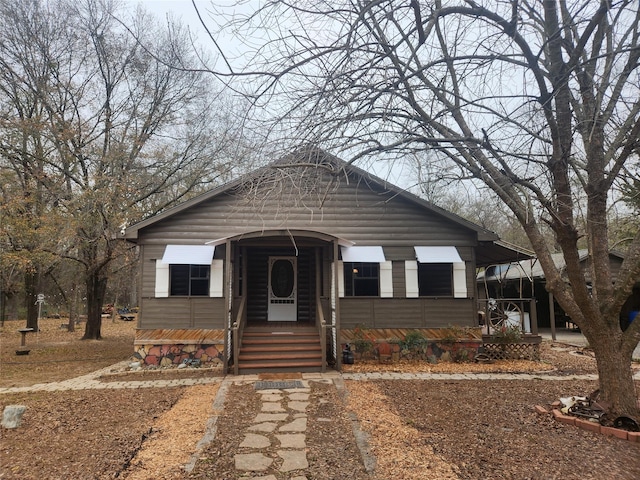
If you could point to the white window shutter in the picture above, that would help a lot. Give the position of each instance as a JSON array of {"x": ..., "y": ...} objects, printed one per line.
[
  {"x": 216, "y": 279},
  {"x": 459, "y": 280},
  {"x": 411, "y": 278},
  {"x": 162, "y": 279},
  {"x": 386, "y": 279}
]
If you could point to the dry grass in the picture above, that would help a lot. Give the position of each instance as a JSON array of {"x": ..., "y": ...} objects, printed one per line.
[{"x": 57, "y": 354}]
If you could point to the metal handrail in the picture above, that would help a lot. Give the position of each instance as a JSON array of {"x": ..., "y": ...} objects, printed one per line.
[
  {"x": 237, "y": 329},
  {"x": 321, "y": 325}
]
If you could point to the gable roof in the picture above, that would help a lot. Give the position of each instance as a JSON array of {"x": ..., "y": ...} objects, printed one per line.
[{"x": 311, "y": 156}]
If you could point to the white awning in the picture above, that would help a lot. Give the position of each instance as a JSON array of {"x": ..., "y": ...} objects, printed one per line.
[
  {"x": 363, "y": 254},
  {"x": 437, "y": 255},
  {"x": 188, "y": 254}
]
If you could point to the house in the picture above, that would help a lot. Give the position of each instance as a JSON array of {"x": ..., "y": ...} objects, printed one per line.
[{"x": 278, "y": 268}]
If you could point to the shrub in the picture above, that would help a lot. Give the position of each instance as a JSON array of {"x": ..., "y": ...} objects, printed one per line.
[
  {"x": 361, "y": 340},
  {"x": 508, "y": 334},
  {"x": 414, "y": 343}
]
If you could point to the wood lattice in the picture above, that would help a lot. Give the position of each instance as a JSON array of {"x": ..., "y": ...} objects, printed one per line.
[{"x": 512, "y": 351}]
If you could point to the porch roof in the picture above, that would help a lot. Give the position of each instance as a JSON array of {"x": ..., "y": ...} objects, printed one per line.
[{"x": 327, "y": 237}]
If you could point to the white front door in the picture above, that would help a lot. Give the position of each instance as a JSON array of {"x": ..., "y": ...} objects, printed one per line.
[{"x": 283, "y": 286}]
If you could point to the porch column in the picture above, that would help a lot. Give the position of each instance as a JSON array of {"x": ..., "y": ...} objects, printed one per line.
[
  {"x": 321, "y": 322},
  {"x": 533, "y": 316},
  {"x": 336, "y": 306},
  {"x": 228, "y": 296}
]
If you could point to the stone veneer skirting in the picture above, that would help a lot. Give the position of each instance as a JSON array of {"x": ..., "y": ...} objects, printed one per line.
[
  {"x": 167, "y": 355},
  {"x": 166, "y": 347}
]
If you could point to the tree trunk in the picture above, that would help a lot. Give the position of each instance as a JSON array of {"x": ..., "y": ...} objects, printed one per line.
[
  {"x": 617, "y": 388},
  {"x": 73, "y": 309},
  {"x": 3, "y": 306},
  {"x": 96, "y": 289},
  {"x": 31, "y": 285}
]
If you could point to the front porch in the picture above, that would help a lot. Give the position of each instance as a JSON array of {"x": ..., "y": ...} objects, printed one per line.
[{"x": 281, "y": 317}]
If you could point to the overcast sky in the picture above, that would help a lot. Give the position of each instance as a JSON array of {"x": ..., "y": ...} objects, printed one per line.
[{"x": 184, "y": 11}]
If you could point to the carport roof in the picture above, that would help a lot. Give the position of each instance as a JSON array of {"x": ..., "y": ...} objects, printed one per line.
[{"x": 498, "y": 252}]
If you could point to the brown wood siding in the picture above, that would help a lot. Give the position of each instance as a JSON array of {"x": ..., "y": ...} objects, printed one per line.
[
  {"x": 148, "y": 256},
  {"x": 400, "y": 253},
  {"x": 399, "y": 280},
  {"x": 306, "y": 286},
  {"x": 406, "y": 312},
  {"x": 257, "y": 281},
  {"x": 180, "y": 312},
  {"x": 355, "y": 211},
  {"x": 467, "y": 255}
]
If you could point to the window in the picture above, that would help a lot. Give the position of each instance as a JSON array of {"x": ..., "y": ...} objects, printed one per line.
[
  {"x": 361, "y": 279},
  {"x": 189, "y": 280},
  {"x": 439, "y": 272},
  {"x": 435, "y": 279}
]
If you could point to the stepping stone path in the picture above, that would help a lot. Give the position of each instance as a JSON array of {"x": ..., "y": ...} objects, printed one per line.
[{"x": 281, "y": 423}]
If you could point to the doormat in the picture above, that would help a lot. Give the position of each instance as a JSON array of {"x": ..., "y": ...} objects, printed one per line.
[
  {"x": 278, "y": 385},
  {"x": 279, "y": 376}
]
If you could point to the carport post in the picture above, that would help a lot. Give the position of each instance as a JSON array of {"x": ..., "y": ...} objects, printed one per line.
[{"x": 552, "y": 314}]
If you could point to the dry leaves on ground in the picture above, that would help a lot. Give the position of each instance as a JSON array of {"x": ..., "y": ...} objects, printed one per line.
[
  {"x": 396, "y": 445},
  {"x": 57, "y": 354},
  {"x": 87, "y": 434},
  {"x": 488, "y": 429},
  {"x": 472, "y": 429},
  {"x": 171, "y": 442}
]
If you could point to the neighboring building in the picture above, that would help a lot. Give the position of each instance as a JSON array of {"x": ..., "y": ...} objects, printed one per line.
[{"x": 302, "y": 251}]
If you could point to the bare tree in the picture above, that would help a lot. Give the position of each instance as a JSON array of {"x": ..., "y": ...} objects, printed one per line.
[
  {"x": 537, "y": 99},
  {"x": 121, "y": 135}
]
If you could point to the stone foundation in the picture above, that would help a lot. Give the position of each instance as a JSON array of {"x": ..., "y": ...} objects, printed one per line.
[
  {"x": 457, "y": 344},
  {"x": 463, "y": 350},
  {"x": 168, "y": 355}
]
